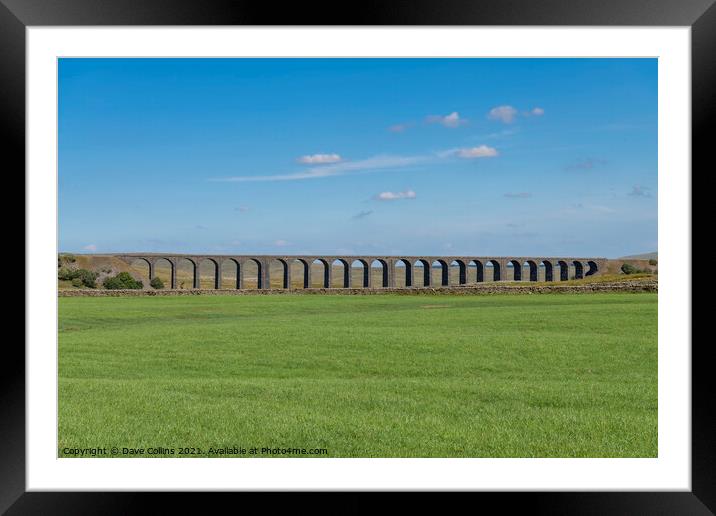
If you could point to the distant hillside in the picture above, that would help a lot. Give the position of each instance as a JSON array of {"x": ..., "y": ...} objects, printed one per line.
[{"x": 645, "y": 256}]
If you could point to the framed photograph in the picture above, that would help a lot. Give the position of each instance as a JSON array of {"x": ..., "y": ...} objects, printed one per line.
[{"x": 426, "y": 247}]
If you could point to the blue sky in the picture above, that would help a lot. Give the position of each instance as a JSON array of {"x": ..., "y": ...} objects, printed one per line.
[{"x": 353, "y": 156}]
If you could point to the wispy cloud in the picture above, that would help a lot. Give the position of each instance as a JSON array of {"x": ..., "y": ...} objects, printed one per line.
[
  {"x": 90, "y": 247},
  {"x": 363, "y": 214},
  {"x": 508, "y": 114},
  {"x": 280, "y": 243},
  {"x": 452, "y": 120},
  {"x": 242, "y": 209},
  {"x": 381, "y": 162},
  {"x": 502, "y": 134},
  {"x": 481, "y": 151},
  {"x": 317, "y": 159},
  {"x": 518, "y": 195},
  {"x": 639, "y": 191},
  {"x": 394, "y": 196},
  {"x": 505, "y": 114},
  {"x": 375, "y": 163},
  {"x": 399, "y": 128}
]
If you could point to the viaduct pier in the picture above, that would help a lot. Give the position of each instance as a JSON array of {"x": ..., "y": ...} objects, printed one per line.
[{"x": 413, "y": 271}]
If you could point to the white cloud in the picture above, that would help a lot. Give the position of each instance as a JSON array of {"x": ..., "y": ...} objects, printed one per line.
[
  {"x": 452, "y": 120},
  {"x": 504, "y": 114},
  {"x": 280, "y": 243},
  {"x": 538, "y": 111},
  {"x": 317, "y": 159},
  {"x": 393, "y": 196},
  {"x": 90, "y": 247},
  {"x": 381, "y": 162},
  {"x": 481, "y": 151}
]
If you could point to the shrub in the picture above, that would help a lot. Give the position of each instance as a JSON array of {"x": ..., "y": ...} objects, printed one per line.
[
  {"x": 112, "y": 283},
  {"x": 88, "y": 278},
  {"x": 157, "y": 283},
  {"x": 123, "y": 280},
  {"x": 628, "y": 268},
  {"x": 652, "y": 262},
  {"x": 65, "y": 273},
  {"x": 83, "y": 276}
]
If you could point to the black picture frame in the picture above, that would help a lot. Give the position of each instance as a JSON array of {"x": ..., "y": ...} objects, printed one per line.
[{"x": 16, "y": 15}]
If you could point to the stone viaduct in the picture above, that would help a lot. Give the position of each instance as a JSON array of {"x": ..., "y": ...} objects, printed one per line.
[{"x": 471, "y": 269}]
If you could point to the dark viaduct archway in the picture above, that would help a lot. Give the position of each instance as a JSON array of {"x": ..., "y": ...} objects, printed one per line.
[{"x": 275, "y": 272}]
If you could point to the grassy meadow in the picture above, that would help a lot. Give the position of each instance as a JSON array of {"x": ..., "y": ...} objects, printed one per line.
[{"x": 362, "y": 376}]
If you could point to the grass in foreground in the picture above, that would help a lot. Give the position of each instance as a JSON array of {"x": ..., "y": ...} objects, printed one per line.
[{"x": 362, "y": 376}]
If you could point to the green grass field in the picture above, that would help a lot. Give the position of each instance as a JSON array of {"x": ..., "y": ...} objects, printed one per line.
[{"x": 362, "y": 376}]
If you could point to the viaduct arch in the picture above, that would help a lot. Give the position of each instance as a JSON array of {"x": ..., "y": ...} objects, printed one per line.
[{"x": 470, "y": 269}]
